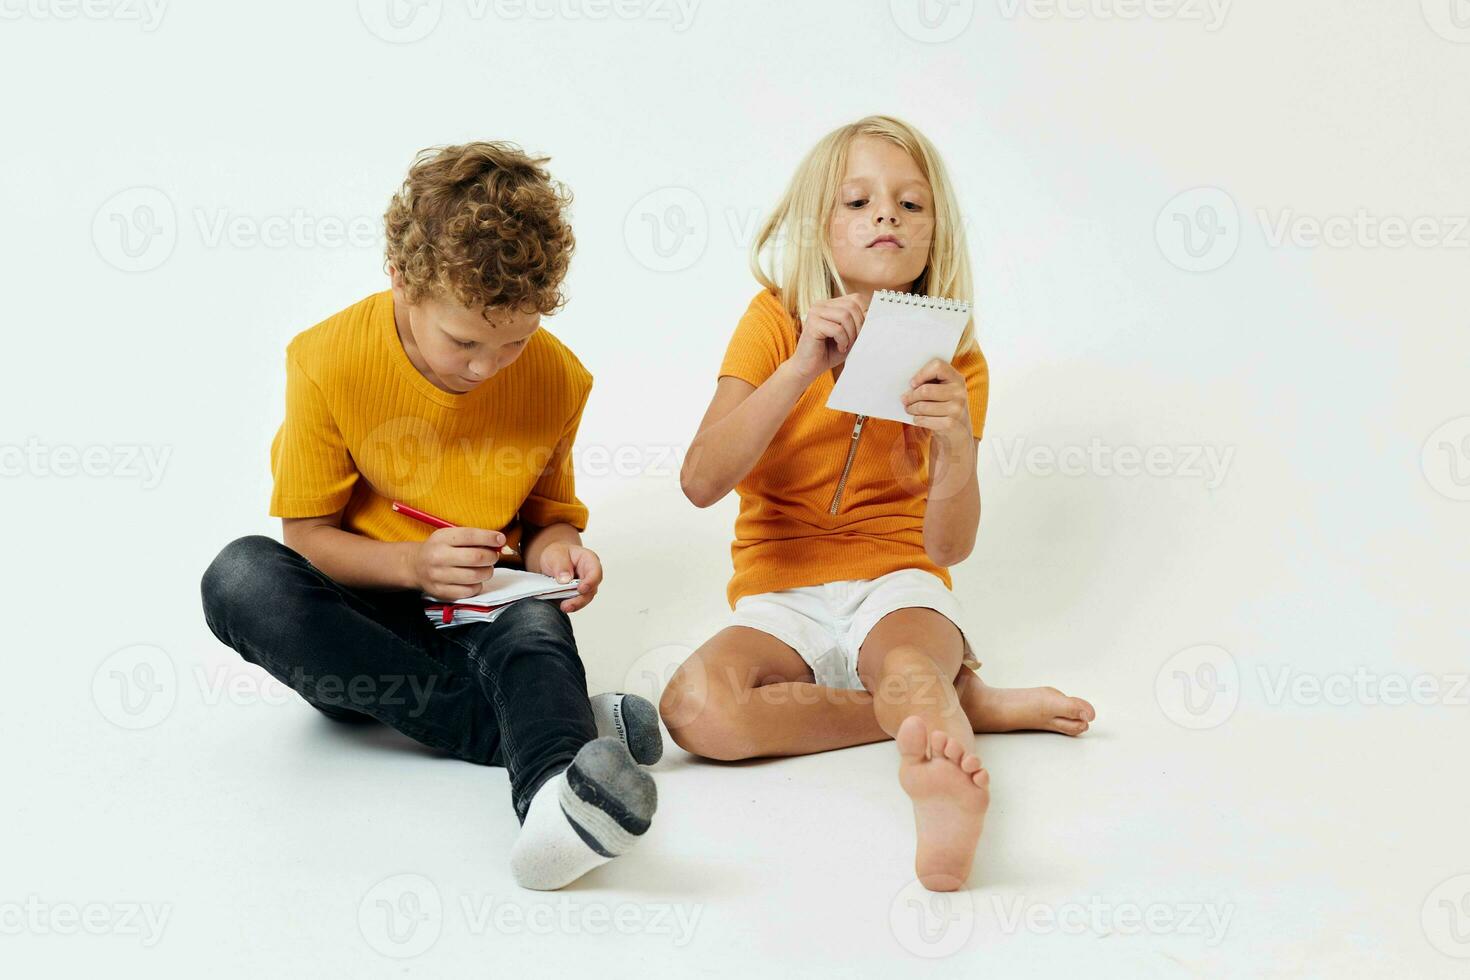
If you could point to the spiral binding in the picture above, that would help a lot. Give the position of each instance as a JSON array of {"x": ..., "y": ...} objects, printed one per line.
[{"x": 924, "y": 302}]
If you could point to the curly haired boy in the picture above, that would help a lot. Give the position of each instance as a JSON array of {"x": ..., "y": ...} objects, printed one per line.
[{"x": 445, "y": 393}]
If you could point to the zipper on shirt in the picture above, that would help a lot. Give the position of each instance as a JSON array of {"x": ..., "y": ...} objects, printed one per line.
[{"x": 857, "y": 432}]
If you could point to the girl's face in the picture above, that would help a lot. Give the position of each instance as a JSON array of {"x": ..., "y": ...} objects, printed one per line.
[
  {"x": 883, "y": 224},
  {"x": 458, "y": 348}
]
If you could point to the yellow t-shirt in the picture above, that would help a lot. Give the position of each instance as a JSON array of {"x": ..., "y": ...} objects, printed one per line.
[
  {"x": 364, "y": 428},
  {"x": 800, "y": 524}
]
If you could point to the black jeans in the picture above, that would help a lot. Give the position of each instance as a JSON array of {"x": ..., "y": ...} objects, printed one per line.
[{"x": 510, "y": 693}]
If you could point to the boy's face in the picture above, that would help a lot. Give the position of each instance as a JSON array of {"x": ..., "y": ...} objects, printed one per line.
[
  {"x": 457, "y": 348},
  {"x": 883, "y": 222}
]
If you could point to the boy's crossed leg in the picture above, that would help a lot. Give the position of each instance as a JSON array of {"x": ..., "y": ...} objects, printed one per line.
[{"x": 511, "y": 693}]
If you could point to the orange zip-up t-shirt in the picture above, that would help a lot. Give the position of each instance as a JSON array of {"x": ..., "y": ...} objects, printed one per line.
[
  {"x": 801, "y": 523},
  {"x": 364, "y": 428}
]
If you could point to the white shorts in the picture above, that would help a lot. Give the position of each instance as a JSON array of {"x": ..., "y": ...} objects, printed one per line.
[{"x": 827, "y": 624}]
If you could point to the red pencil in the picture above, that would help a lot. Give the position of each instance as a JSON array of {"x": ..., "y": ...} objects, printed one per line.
[
  {"x": 429, "y": 519},
  {"x": 420, "y": 516}
]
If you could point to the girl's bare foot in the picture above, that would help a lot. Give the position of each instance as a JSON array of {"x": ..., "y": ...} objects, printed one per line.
[
  {"x": 1013, "y": 709},
  {"x": 951, "y": 792}
]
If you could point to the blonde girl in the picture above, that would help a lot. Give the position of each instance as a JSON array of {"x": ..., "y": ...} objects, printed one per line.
[{"x": 845, "y": 629}]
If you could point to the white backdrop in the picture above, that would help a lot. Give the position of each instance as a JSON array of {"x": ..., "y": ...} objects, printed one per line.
[{"x": 1221, "y": 252}]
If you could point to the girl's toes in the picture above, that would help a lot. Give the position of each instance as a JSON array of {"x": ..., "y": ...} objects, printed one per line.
[
  {"x": 911, "y": 740},
  {"x": 1070, "y": 726},
  {"x": 954, "y": 751},
  {"x": 937, "y": 741},
  {"x": 970, "y": 764},
  {"x": 1081, "y": 709},
  {"x": 982, "y": 778}
]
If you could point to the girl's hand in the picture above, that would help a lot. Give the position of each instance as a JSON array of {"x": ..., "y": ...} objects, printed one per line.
[
  {"x": 827, "y": 335},
  {"x": 455, "y": 562},
  {"x": 938, "y": 401},
  {"x": 565, "y": 562}
]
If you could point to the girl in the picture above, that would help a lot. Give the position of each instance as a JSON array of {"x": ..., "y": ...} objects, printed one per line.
[{"x": 845, "y": 629}]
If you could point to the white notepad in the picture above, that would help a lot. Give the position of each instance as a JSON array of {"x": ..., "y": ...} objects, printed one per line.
[
  {"x": 506, "y": 586},
  {"x": 900, "y": 334}
]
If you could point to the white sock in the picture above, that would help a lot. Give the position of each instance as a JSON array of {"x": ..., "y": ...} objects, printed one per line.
[
  {"x": 583, "y": 817},
  {"x": 634, "y": 721}
]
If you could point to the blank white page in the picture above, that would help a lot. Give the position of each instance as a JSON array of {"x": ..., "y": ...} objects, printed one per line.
[
  {"x": 510, "y": 584},
  {"x": 901, "y": 333}
]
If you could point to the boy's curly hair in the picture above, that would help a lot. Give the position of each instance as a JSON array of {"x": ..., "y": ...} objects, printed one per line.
[{"x": 483, "y": 223}]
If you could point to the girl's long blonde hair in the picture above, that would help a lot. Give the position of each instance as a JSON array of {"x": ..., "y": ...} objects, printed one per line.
[{"x": 792, "y": 257}]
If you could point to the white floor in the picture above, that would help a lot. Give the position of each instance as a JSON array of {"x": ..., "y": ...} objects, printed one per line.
[
  {"x": 1290, "y": 839},
  {"x": 1271, "y": 623}
]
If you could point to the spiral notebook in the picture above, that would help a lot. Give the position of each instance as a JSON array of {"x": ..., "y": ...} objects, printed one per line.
[
  {"x": 506, "y": 586},
  {"x": 901, "y": 333}
]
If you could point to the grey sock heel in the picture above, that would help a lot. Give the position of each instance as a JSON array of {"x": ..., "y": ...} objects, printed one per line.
[
  {"x": 608, "y": 799},
  {"x": 633, "y": 720}
]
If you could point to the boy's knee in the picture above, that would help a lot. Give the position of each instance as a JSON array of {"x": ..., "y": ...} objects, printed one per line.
[
  {"x": 241, "y": 576},
  {"x": 703, "y": 718},
  {"x": 530, "y": 627},
  {"x": 535, "y": 624},
  {"x": 539, "y": 615}
]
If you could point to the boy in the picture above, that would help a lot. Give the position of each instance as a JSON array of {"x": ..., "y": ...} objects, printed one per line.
[{"x": 444, "y": 393}]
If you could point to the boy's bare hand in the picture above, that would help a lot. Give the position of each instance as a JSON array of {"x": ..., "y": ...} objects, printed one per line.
[
  {"x": 456, "y": 562},
  {"x": 564, "y": 562}
]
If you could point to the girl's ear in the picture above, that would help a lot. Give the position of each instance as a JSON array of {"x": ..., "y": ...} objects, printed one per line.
[{"x": 396, "y": 278}]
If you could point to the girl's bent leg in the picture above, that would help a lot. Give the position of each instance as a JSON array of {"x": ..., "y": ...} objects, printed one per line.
[
  {"x": 909, "y": 661},
  {"x": 1016, "y": 709},
  {"x": 745, "y": 694}
]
